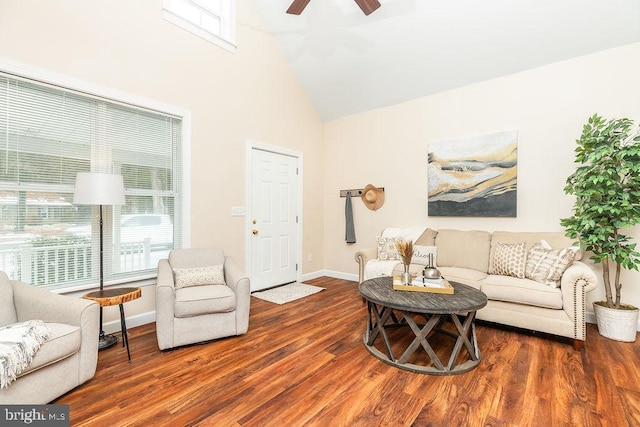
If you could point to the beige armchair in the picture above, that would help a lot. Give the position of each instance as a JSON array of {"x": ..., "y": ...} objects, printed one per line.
[
  {"x": 190, "y": 308},
  {"x": 67, "y": 358}
]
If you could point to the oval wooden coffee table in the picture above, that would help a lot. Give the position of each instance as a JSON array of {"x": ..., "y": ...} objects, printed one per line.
[{"x": 388, "y": 308}]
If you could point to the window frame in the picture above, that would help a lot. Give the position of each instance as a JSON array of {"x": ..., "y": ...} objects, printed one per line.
[
  {"x": 38, "y": 75},
  {"x": 225, "y": 38}
]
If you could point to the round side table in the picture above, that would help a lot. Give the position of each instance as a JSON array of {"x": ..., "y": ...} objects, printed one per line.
[{"x": 118, "y": 297}]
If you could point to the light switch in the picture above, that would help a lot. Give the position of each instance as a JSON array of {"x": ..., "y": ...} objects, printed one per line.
[{"x": 238, "y": 211}]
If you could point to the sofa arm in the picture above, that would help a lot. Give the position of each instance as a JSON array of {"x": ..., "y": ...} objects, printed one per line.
[
  {"x": 576, "y": 281},
  {"x": 37, "y": 303},
  {"x": 165, "y": 299},
  {"x": 362, "y": 257}
]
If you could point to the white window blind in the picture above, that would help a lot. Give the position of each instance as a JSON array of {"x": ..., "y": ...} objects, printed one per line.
[{"x": 47, "y": 135}]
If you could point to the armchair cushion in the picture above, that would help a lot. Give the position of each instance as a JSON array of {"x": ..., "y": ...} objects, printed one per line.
[
  {"x": 199, "y": 300},
  {"x": 197, "y": 276},
  {"x": 19, "y": 342},
  {"x": 64, "y": 341}
]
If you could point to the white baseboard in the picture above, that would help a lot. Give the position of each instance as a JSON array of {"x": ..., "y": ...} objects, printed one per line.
[
  {"x": 330, "y": 273},
  {"x": 132, "y": 322}
]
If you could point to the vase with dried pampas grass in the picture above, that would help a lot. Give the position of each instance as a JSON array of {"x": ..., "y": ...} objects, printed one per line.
[{"x": 405, "y": 250}]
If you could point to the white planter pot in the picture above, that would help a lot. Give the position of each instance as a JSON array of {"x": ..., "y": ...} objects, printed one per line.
[{"x": 619, "y": 325}]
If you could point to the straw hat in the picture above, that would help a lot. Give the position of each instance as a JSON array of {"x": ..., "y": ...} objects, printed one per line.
[{"x": 372, "y": 197}]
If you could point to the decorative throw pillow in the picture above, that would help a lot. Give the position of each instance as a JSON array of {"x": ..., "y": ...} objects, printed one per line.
[
  {"x": 421, "y": 255},
  {"x": 509, "y": 259},
  {"x": 547, "y": 265},
  {"x": 196, "y": 276},
  {"x": 387, "y": 250}
]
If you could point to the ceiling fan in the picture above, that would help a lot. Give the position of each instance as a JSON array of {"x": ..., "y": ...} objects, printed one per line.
[{"x": 367, "y": 6}]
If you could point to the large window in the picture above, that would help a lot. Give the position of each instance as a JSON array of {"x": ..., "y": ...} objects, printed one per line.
[
  {"x": 213, "y": 20},
  {"x": 47, "y": 135}
]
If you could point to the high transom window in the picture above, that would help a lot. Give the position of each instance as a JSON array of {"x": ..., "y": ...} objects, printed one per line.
[
  {"x": 47, "y": 135},
  {"x": 213, "y": 20}
]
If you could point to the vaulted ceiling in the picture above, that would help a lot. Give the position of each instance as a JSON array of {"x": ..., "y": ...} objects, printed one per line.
[{"x": 350, "y": 63}]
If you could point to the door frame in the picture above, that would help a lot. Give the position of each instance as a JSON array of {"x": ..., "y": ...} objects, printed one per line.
[{"x": 251, "y": 146}]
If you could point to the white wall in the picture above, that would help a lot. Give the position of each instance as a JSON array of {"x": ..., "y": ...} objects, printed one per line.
[
  {"x": 547, "y": 106},
  {"x": 127, "y": 46}
]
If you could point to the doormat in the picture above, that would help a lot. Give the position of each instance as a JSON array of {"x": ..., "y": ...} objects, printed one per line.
[{"x": 287, "y": 293}]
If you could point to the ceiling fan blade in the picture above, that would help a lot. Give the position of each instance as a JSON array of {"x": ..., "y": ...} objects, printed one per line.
[
  {"x": 297, "y": 7},
  {"x": 368, "y": 6}
]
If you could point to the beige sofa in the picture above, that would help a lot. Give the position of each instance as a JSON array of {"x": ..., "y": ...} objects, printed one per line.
[
  {"x": 468, "y": 257},
  {"x": 67, "y": 358}
]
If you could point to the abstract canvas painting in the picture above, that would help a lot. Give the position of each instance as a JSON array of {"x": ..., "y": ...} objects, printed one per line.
[{"x": 474, "y": 176}]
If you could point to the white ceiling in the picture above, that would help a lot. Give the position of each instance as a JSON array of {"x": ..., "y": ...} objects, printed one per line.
[{"x": 349, "y": 62}]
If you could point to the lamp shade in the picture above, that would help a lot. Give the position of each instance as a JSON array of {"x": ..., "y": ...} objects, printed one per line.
[{"x": 98, "y": 189}]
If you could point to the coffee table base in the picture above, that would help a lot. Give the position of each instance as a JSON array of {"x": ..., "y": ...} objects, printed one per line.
[{"x": 380, "y": 318}]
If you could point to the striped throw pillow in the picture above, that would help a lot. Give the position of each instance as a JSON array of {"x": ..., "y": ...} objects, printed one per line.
[{"x": 547, "y": 265}]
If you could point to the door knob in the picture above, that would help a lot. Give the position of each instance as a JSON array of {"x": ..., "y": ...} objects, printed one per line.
[{"x": 255, "y": 232}]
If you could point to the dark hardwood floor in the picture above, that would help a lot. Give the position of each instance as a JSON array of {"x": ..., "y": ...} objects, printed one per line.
[{"x": 304, "y": 363}]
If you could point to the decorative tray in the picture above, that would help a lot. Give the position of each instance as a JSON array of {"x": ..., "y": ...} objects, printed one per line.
[{"x": 437, "y": 286}]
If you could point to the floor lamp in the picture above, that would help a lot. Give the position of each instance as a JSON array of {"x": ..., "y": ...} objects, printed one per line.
[{"x": 100, "y": 189}]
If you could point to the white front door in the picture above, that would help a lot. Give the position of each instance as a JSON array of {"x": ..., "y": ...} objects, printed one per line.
[{"x": 274, "y": 219}]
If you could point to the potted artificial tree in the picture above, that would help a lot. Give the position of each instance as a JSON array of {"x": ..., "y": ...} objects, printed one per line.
[{"x": 607, "y": 189}]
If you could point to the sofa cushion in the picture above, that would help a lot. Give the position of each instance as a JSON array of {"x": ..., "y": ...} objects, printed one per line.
[
  {"x": 8, "y": 313},
  {"x": 198, "y": 300},
  {"x": 387, "y": 250},
  {"x": 521, "y": 291},
  {"x": 428, "y": 238},
  {"x": 380, "y": 268},
  {"x": 465, "y": 249},
  {"x": 547, "y": 265},
  {"x": 465, "y": 276},
  {"x": 198, "y": 276},
  {"x": 509, "y": 259},
  {"x": 64, "y": 342}
]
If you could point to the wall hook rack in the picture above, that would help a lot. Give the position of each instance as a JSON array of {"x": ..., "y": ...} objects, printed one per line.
[{"x": 355, "y": 192}]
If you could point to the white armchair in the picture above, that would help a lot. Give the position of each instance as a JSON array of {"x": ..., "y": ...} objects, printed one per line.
[
  {"x": 67, "y": 358},
  {"x": 194, "y": 303}
]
